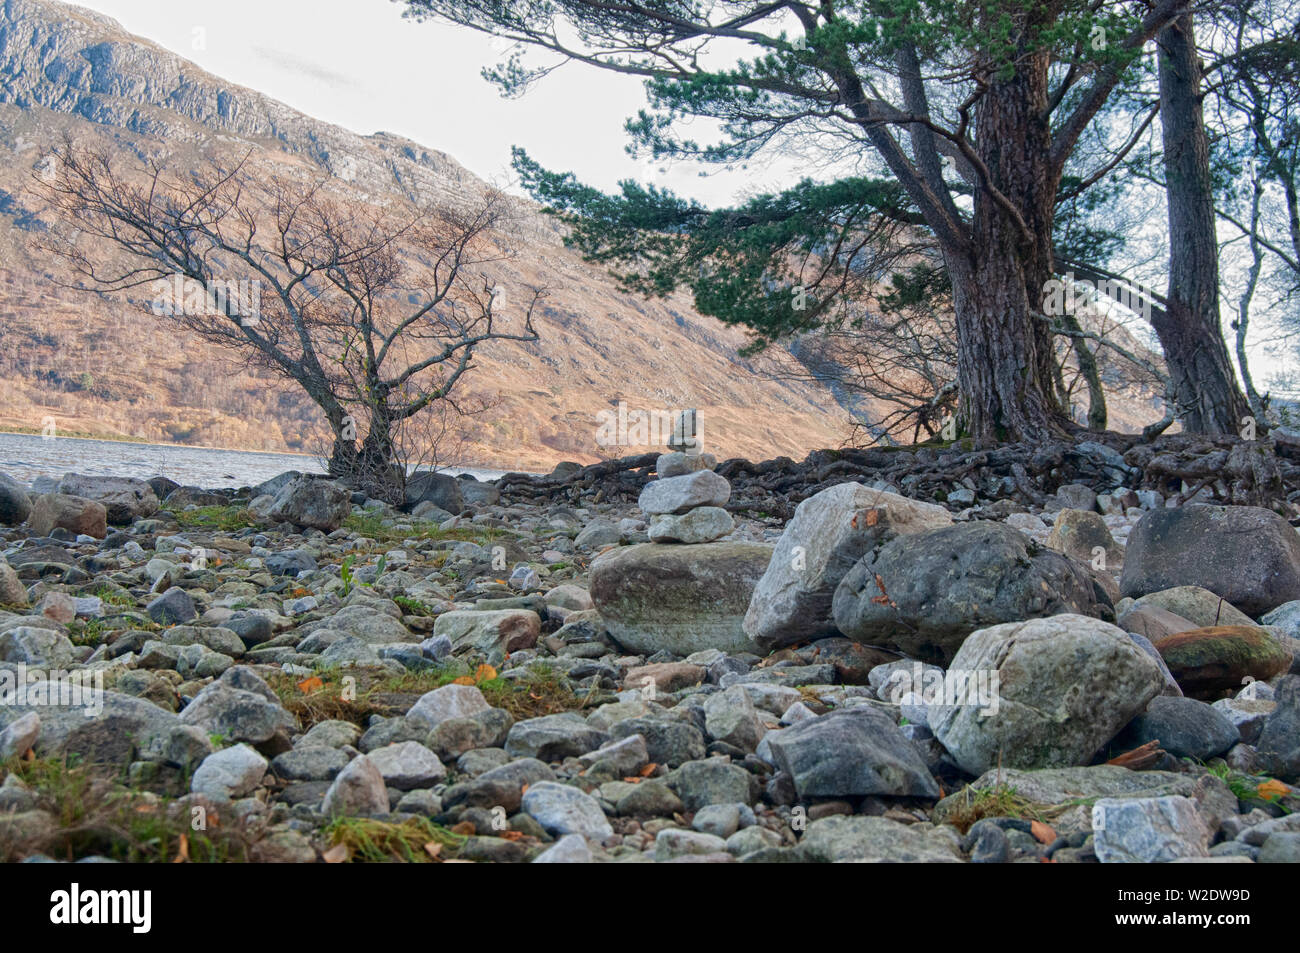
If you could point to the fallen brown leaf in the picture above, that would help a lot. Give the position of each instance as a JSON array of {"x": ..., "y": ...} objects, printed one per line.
[{"x": 1043, "y": 833}]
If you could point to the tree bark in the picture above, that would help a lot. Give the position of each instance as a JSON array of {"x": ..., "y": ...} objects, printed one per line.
[
  {"x": 1006, "y": 363},
  {"x": 1206, "y": 394}
]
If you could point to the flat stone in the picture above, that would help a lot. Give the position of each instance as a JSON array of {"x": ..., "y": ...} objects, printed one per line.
[
  {"x": 562, "y": 809},
  {"x": 681, "y": 493}
]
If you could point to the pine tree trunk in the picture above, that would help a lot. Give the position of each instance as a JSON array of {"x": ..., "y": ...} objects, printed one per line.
[
  {"x": 1206, "y": 394},
  {"x": 1006, "y": 363}
]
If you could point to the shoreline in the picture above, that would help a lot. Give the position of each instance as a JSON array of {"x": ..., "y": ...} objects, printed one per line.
[{"x": 131, "y": 441}]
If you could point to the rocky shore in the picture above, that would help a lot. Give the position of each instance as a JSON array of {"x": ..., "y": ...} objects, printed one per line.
[{"x": 1080, "y": 658}]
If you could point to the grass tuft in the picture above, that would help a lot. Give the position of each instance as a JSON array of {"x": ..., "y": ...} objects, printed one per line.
[{"x": 416, "y": 840}]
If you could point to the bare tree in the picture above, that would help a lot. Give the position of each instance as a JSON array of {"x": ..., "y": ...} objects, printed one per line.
[{"x": 376, "y": 312}]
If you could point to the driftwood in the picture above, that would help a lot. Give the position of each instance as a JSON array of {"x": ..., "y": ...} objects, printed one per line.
[{"x": 1182, "y": 466}]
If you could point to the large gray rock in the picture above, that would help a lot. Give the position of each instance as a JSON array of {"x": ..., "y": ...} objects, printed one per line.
[
  {"x": 239, "y": 706},
  {"x": 229, "y": 773},
  {"x": 1248, "y": 555},
  {"x": 1184, "y": 727},
  {"x": 1064, "y": 687},
  {"x": 358, "y": 791},
  {"x": 830, "y": 531},
  {"x": 569, "y": 849},
  {"x": 562, "y": 809},
  {"x": 941, "y": 585},
  {"x": 681, "y": 493},
  {"x": 1285, "y": 618},
  {"x": 682, "y": 599},
  {"x": 172, "y": 607},
  {"x": 311, "y": 502},
  {"x": 730, "y": 716},
  {"x": 1279, "y": 741},
  {"x": 851, "y": 753},
  {"x": 1148, "y": 830},
  {"x": 407, "y": 765},
  {"x": 36, "y": 647},
  {"x": 553, "y": 737},
  {"x": 116, "y": 734},
  {"x": 668, "y": 741},
  {"x": 15, "y": 502},
  {"x": 73, "y": 513},
  {"x": 449, "y": 701},
  {"x": 703, "y": 524},
  {"x": 499, "y": 787},
  {"x": 440, "y": 489},
  {"x": 507, "y": 630},
  {"x": 878, "y": 840},
  {"x": 124, "y": 499},
  {"x": 677, "y": 463}
]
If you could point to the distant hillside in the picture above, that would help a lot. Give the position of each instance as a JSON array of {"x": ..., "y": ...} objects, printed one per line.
[{"x": 108, "y": 367}]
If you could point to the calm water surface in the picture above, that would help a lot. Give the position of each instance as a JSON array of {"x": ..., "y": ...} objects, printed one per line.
[{"x": 27, "y": 456}]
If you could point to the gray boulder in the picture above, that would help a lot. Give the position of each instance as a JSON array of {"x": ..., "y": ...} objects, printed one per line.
[
  {"x": 1279, "y": 741},
  {"x": 312, "y": 502},
  {"x": 440, "y": 489},
  {"x": 124, "y": 499},
  {"x": 1062, "y": 687},
  {"x": 116, "y": 734},
  {"x": 230, "y": 773},
  {"x": 1184, "y": 727},
  {"x": 15, "y": 502},
  {"x": 73, "y": 513},
  {"x": 878, "y": 840},
  {"x": 358, "y": 791},
  {"x": 851, "y": 753},
  {"x": 829, "y": 533},
  {"x": 562, "y": 809},
  {"x": 703, "y": 524},
  {"x": 1248, "y": 555},
  {"x": 682, "y": 599},
  {"x": 1148, "y": 830},
  {"x": 941, "y": 585},
  {"x": 239, "y": 706},
  {"x": 681, "y": 493}
]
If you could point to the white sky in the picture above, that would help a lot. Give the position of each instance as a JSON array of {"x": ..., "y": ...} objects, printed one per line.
[{"x": 358, "y": 64}]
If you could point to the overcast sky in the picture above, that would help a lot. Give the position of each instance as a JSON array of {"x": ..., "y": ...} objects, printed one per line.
[{"x": 358, "y": 64}]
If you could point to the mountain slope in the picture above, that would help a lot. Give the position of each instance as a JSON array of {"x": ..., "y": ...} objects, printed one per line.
[{"x": 107, "y": 366}]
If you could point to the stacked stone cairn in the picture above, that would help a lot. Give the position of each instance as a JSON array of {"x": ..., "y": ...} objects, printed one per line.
[
  {"x": 671, "y": 596},
  {"x": 685, "y": 505}
]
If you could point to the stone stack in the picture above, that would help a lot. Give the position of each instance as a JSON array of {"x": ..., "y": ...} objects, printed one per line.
[
  {"x": 666, "y": 594},
  {"x": 685, "y": 504}
]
